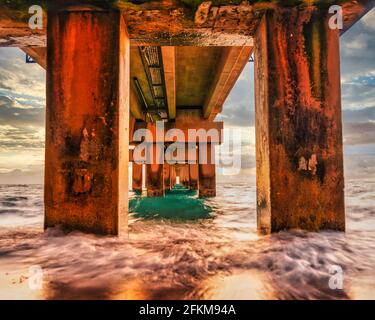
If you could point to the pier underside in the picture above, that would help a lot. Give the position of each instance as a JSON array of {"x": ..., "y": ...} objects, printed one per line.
[{"x": 115, "y": 71}]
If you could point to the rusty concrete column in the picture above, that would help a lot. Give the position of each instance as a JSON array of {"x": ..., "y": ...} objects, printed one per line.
[
  {"x": 137, "y": 177},
  {"x": 173, "y": 175},
  {"x": 207, "y": 171},
  {"x": 193, "y": 175},
  {"x": 167, "y": 176},
  {"x": 299, "y": 149},
  {"x": 193, "y": 160},
  {"x": 154, "y": 173},
  {"x": 184, "y": 176},
  {"x": 87, "y": 119}
]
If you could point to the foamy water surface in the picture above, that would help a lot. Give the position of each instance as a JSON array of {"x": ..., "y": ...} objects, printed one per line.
[{"x": 191, "y": 249}]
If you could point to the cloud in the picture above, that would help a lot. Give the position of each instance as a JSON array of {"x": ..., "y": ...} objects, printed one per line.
[
  {"x": 19, "y": 79},
  {"x": 238, "y": 109},
  {"x": 358, "y": 64},
  {"x": 13, "y": 113},
  {"x": 22, "y": 120},
  {"x": 357, "y": 95},
  {"x": 239, "y": 145},
  {"x": 359, "y": 115},
  {"x": 12, "y": 138},
  {"x": 359, "y": 133}
]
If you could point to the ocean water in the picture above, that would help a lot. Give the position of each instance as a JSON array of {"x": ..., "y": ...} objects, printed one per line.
[{"x": 182, "y": 247}]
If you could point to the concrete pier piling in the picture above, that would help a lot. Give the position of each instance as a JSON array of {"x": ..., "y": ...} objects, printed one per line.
[
  {"x": 154, "y": 174},
  {"x": 107, "y": 78},
  {"x": 300, "y": 181},
  {"x": 173, "y": 176},
  {"x": 167, "y": 176},
  {"x": 137, "y": 177},
  {"x": 86, "y": 163},
  {"x": 207, "y": 171},
  {"x": 184, "y": 175},
  {"x": 194, "y": 176}
]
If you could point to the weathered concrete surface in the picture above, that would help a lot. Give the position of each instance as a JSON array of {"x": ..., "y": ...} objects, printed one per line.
[
  {"x": 298, "y": 122},
  {"x": 232, "y": 61},
  {"x": 154, "y": 173},
  {"x": 173, "y": 175},
  {"x": 86, "y": 167},
  {"x": 193, "y": 160},
  {"x": 39, "y": 55},
  {"x": 14, "y": 33},
  {"x": 194, "y": 176},
  {"x": 137, "y": 177},
  {"x": 207, "y": 172},
  {"x": 172, "y": 22},
  {"x": 184, "y": 175},
  {"x": 167, "y": 176},
  {"x": 169, "y": 63},
  {"x": 195, "y": 77}
]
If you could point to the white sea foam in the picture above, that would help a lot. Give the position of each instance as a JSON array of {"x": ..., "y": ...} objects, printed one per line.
[{"x": 205, "y": 258}]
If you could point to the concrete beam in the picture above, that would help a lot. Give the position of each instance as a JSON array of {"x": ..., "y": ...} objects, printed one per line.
[
  {"x": 15, "y": 31},
  {"x": 299, "y": 151},
  {"x": 354, "y": 11},
  {"x": 232, "y": 62},
  {"x": 39, "y": 54},
  {"x": 169, "y": 23},
  {"x": 169, "y": 64},
  {"x": 136, "y": 109},
  {"x": 87, "y": 119}
]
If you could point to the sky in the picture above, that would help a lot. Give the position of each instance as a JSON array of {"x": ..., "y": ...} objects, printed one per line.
[{"x": 22, "y": 109}]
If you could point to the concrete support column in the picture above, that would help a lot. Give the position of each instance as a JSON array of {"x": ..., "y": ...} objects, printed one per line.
[
  {"x": 184, "y": 175},
  {"x": 299, "y": 150},
  {"x": 137, "y": 177},
  {"x": 167, "y": 176},
  {"x": 87, "y": 120},
  {"x": 194, "y": 175},
  {"x": 207, "y": 171},
  {"x": 173, "y": 175},
  {"x": 154, "y": 173}
]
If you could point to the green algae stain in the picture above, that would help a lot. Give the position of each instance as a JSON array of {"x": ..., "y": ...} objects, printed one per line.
[{"x": 179, "y": 204}]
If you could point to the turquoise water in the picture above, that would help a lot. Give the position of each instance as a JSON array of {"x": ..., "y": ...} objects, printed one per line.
[{"x": 179, "y": 204}]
